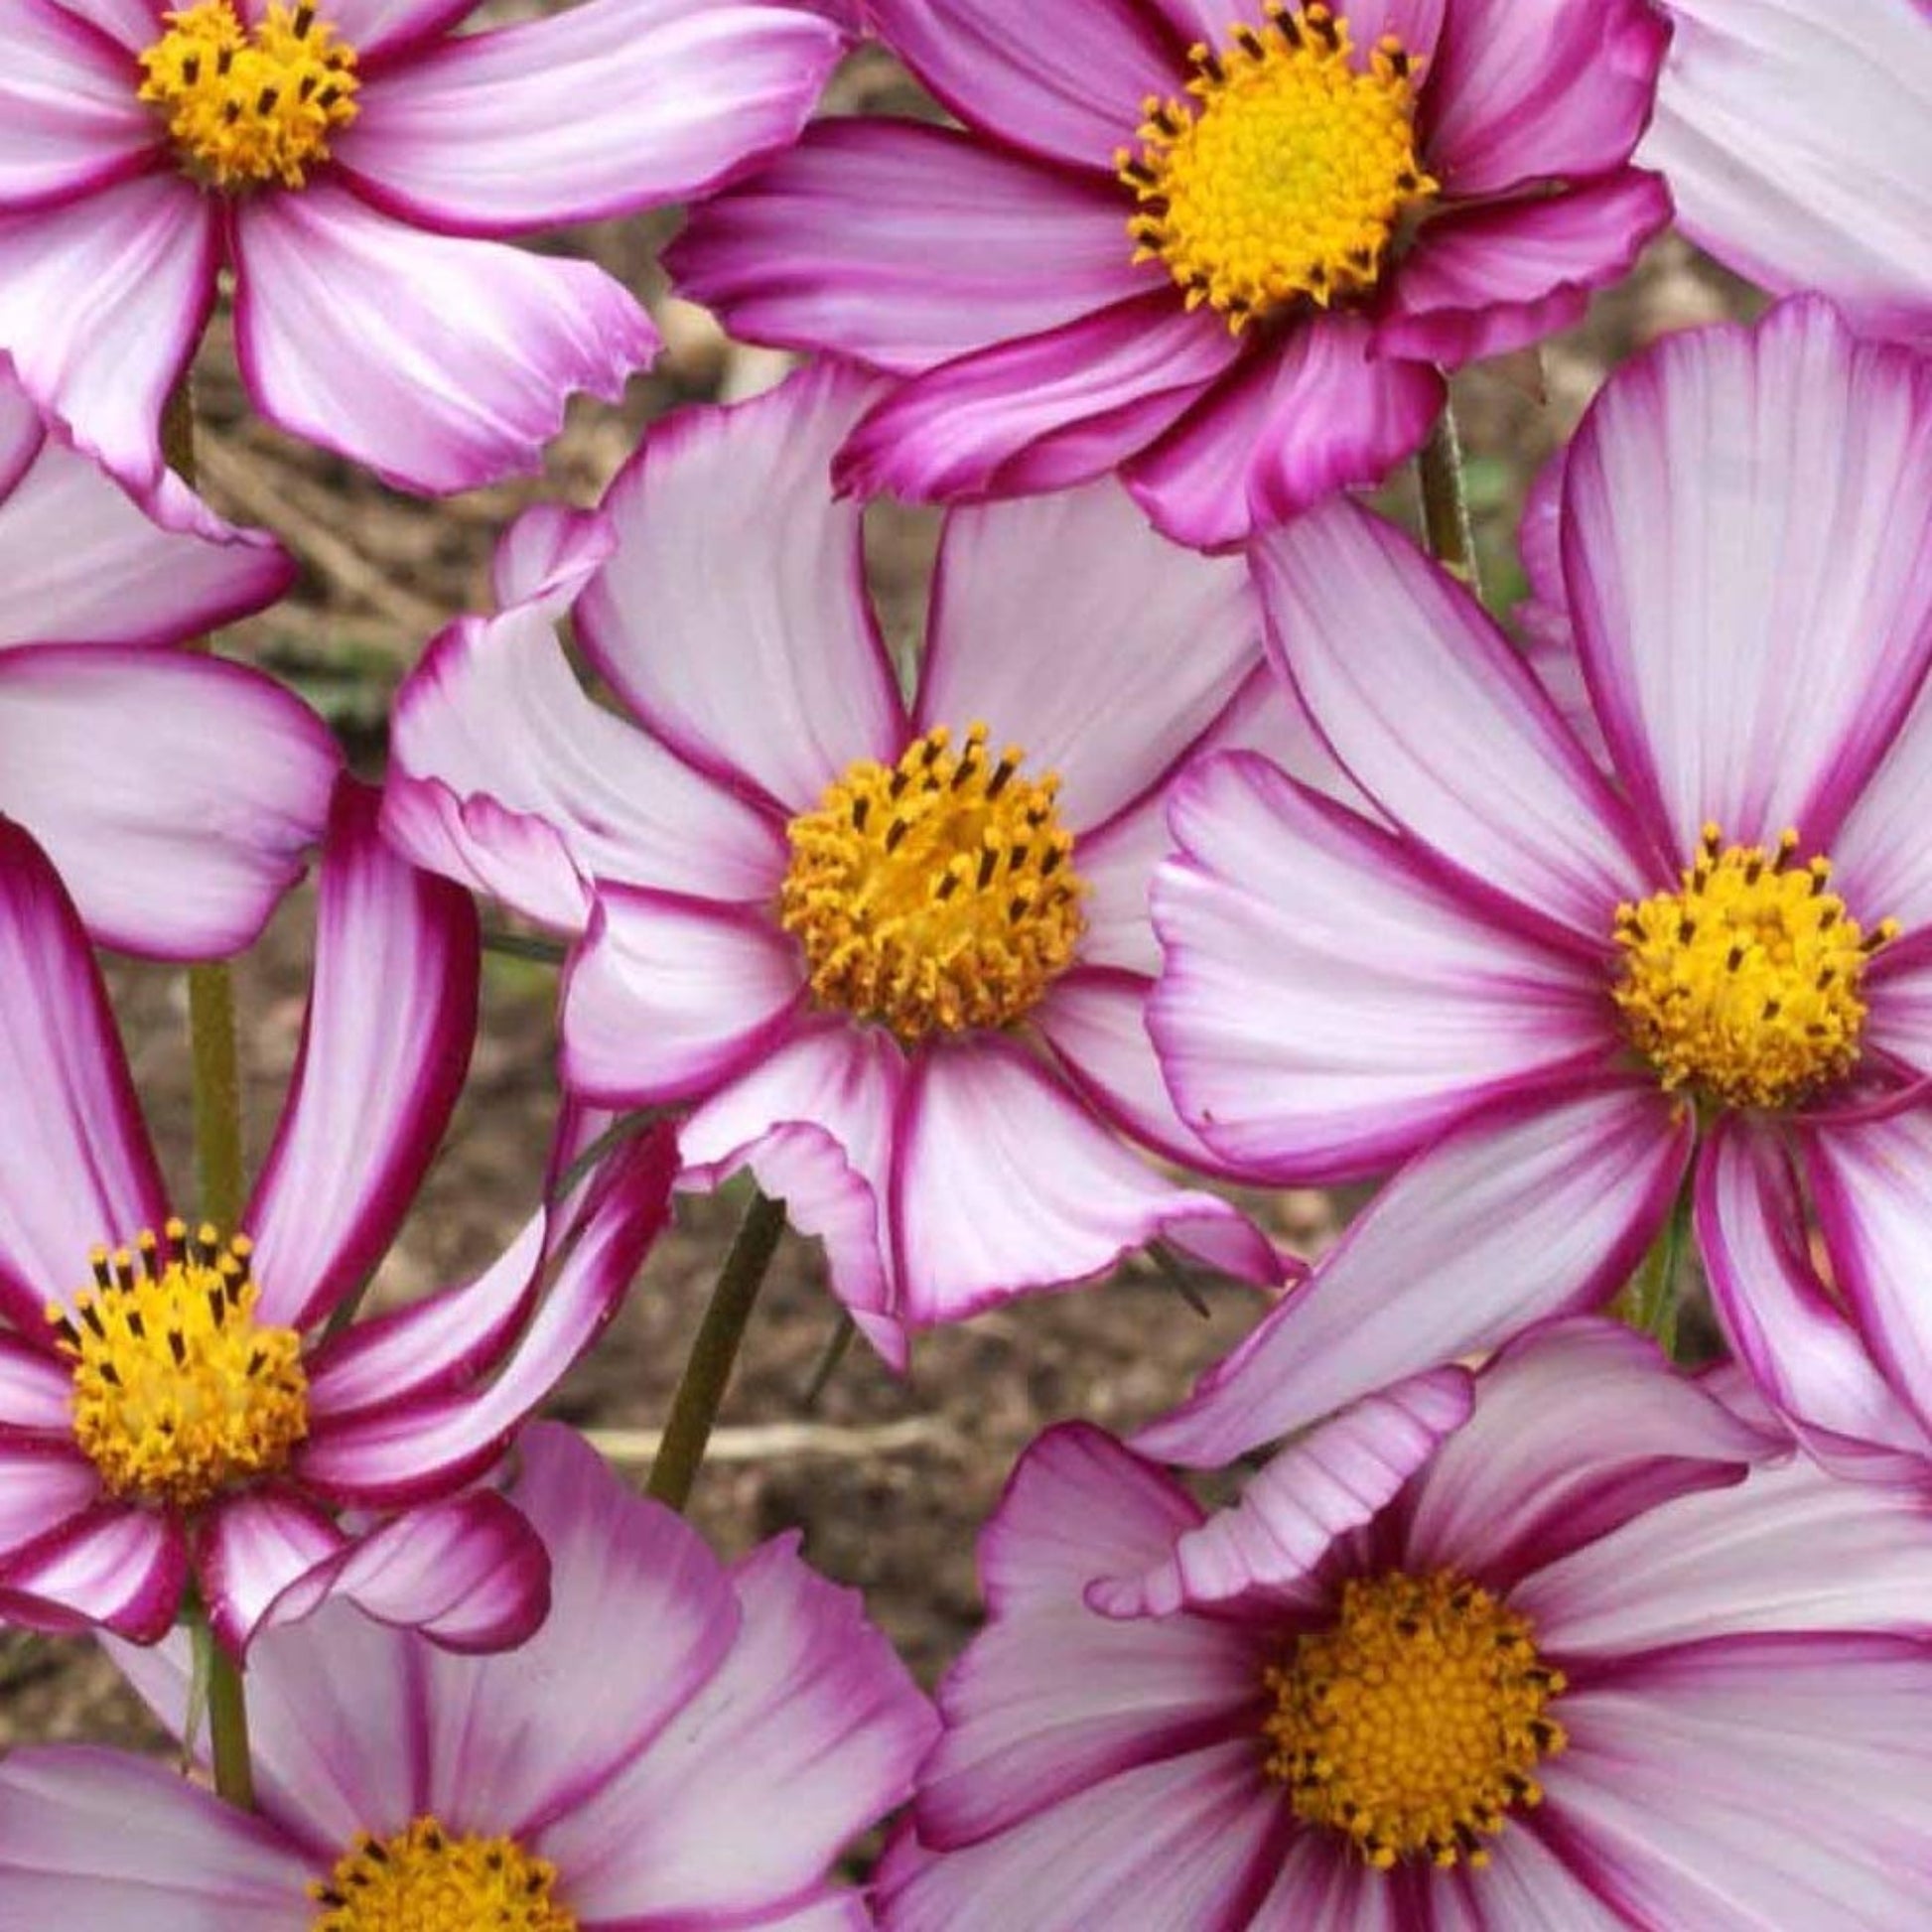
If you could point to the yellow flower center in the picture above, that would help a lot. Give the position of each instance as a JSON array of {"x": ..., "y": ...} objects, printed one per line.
[
  {"x": 246, "y": 105},
  {"x": 1746, "y": 985},
  {"x": 1414, "y": 1723},
  {"x": 176, "y": 1392},
  {"x": 936, "y": 894},
  {"x": 1289, "y": 172},
  {"x": 425, "y": 1880}
]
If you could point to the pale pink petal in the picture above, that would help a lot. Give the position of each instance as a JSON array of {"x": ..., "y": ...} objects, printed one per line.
[
  {"x": 1578, "y": 1428},
  {"x": 902, "y": 246},
  {"x": 77, "y": 1170},
  {"x": 1327, "y": 1482},
  {"x": 118, "y": 1568},
  {"x": 804, "y": 1736},
  {"x": 44, "y": 1485},
  {"x": 179, "y": 795},
  {"x": 132, "y": 23},
  {"x": 1538, "y": 90},
  {"x": 1045, "y": 411},
  {"x": 1430, "y": 709},
  {"x": 506, "y": 774},
  {"x": 1038, "y": 605},
  {"x": 1879, "y": 856},
  {"x": 1289, "y": 426},
  {"x": 834, "y": 1911},
  {"x": 1747, "y": 550},
  {"x": 1525, "y": 1882},
  {"x": 1416, "y": 23},
  {"x": 392, "y": 1012},
  {"x": 671, "y": 997},
  {"x": 118, "y": 1842},
  {"x": 1319, "y": 1887},
  {"x": 376, "y": 27},
  {"x": 587, "y": 115},
  {"x": 1528, "y": 1212},
  {"x": 1069, "y": 84},
  {"x": 1331, "y": 1003},
  {"x": 1798, "y": 144},
  {"x": 733, "y": 616},
  {"x": 1485, "y": 282},
  {"x": 440, "y": 363},
  {"x": 1797, "y": 1344},
  {"x": 68, "y": 119},
  {"x": 548, "y": 553},
  {"x": 1741, "y": 1785},
  {"x": 1899, "y": 1009},
  {"x": 249, "y": 1549},
  {"x": 102, "y": 304},
  {"x": 1005, "y": 1184},
  {"x": 36, "y": 1391},
  {"x": 1191, "y": 1841}
]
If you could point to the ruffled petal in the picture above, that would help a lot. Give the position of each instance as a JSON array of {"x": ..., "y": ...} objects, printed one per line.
[
  {"x": 438, "y": 363},
  {"x": 392, "y": 1012},
  {"x": 1527, "y": 1212},
  {"x": 252, "y": 1547},
  {"x": 587, "y": 115},
  {"x": 179, "y": 795},
  {"x": 1753, "y": 638},
  {"x": 1331, "y": 1003},
  {"x": 69, "y": 122},
  {"x": 903, "y": 246},
  {"x": 112, "y": 1567},
  {"x": 741, "y": 635}
]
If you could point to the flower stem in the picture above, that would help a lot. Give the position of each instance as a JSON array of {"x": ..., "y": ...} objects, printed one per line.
[
  {"x": 211, "y": 987},
  {"x": 694, "y": 1409},
  {"x": 1445, "y": 503},
  {"x": 227, "y": 1724},
  {"x": 1649, "y": 1304}
]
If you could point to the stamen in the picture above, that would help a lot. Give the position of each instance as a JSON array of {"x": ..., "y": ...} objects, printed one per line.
[{"x": 426, "y": 1880}]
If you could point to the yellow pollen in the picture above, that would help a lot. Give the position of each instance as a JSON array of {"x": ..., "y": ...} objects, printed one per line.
[
  {"x": 936, "y": 894},
  {"x": 1288, "y": 174},
  {"x": 425, "y": 1880},
  {"x": 1744, "y": 986},
  {"x": 178, "y": 1394},
  {"x": 247, "y": 105},
  {"x": 1414, "y": 1723}
]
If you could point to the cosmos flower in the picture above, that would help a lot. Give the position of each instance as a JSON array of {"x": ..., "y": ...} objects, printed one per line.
[
  {"x": 1554, "y": 1645},
  {"x": 181, "y": 1404},
  {"x": 684, "y": 1743},
  {"x": 179, "y": 796},
  {"x": 1545, "y": 990},
  {"x": 356, "y": 164},
  {"x": 1797, "y": 141},
  {"x": 1220, "y": 246},
  {"x": 891, "y": 957}
]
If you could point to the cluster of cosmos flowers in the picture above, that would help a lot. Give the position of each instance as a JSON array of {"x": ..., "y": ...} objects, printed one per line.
[{"x": 1215, "y": 832}]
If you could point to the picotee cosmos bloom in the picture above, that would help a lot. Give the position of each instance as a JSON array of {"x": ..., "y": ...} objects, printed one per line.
[{"x": 1223, "y": 248}]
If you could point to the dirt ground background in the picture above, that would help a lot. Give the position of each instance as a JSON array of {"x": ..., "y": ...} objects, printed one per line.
[{"x": 888, "y": 1480}]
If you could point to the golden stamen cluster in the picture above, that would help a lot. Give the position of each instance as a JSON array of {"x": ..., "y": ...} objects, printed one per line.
[
  {"x": 1745, "y": 986},
  {"x": 1413, "y": 1725},
  {"x": 1287, "y": 175},
  {"x": 178, "y": 1393},
  {"x": 936, "y": 894},
  {"x": 250, "y": 106},
  {"x": 425, "y": 1880}
]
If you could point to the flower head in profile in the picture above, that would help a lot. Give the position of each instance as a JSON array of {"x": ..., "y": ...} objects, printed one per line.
[
  {"x": 685, "y": 1743},
  {"x": 891, "y": 956},
  {"x": 1566, "y": 1643},
  {"x": 1547, "y": 989},
  {"x": 357, "y": 165},
  {"x": 1222, "y": 247},
  {"x": 181, "y": 1405}
]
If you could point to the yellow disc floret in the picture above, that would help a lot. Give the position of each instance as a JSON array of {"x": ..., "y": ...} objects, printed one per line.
[
  {"x": 425, "y": 1880},
  {"x": 178, "y": 1392},
  {"x": 245, "y": 105},
  {"x": 936, "y": 894},
  {"x": 1746, "y": 985},
  {"x": 1414, "y": 1723},
  {"x": 1289, "y": 172}
]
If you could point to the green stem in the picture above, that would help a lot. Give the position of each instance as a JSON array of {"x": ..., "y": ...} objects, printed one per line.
[
  {"x": 1444, "y": 503},
  {"x": 694, "y": 1409},
  {"x": 1650, "y": 1302},
  {"x": 227, "y": 1724}
]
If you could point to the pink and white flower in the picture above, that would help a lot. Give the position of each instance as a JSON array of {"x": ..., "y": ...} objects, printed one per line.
[
  {"x": 684, "y": 1743},
  {"x": 1546, "y": 990},
  {"x": 357, "y": 165},
  {"x": 892, "y": 965},
  {"x": 1220, "y": 246},
  {"x": 179, "y": 795},
  {"x": 1797, "y": 141},
  {"x": 197, "y": 1412},
  {"x": 1554, "y": 1645}
]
